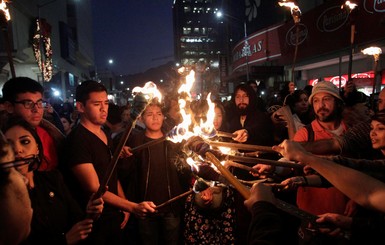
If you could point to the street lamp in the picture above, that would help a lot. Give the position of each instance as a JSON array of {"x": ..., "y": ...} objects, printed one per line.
[
  {"x": 246, "y": 50},
  {"x": 296, "y": 14},
  {"x": 375, "y": 52},
  {"x": 4, "y": 18}
]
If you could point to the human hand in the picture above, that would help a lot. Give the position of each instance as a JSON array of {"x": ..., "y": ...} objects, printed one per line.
[
  {"x": 126, "y": 152},
  {"x": 79, "y": 231},
  {"x": 95, "y": 207},
  {"x": 262, "y": 170},
  {"x": 293, "y": 182},
  {"x": 241, "y": 135},
  {"x": 125, "y": 219},
  {"x": 351, "y": 208},
  {"x": 259, "y": 192},
  {"x": 339, "y": 223},
  {"x": 142, "y": 209},
  {"x": 291, "y": 150}
]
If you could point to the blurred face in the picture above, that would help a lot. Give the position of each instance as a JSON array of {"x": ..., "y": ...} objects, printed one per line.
[
  {"x": 126, "y": 116},
  {"x": 153, "y": 117},
  {"x": 302, "y": 105},
  {"x": 241, "y": 99},
  {"x": 218, "y": 118},
  {"x": 66, "y": 124},
  {"x": 291, "y": 87},
  {"x": 324, "y": 106},
  {"x": 377, "y": 135},
  {"x": 16, "y": 206},
  {"x": 34, "y": 115},
  {"x": 95, "y": 110},
  {"x": 23, "y": 143},
  {"x": 381, "y": 100}
]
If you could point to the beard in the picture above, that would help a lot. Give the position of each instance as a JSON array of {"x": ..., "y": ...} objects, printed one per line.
[
  {"x": 242, "y": 109},
  {"x": 324, "y": 115}
]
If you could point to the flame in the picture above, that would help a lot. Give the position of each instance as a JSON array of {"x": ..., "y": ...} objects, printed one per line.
[
  {"x": 372, "y": 51},
  {"x": 192, "y": 164},
  {"x": 3, "y": 7},
  {"x": 350, "y": 5},
  {"x": 295, "y": 11},
  {"x": 225, "y": 150},
  {"x": 293, "y": 7},
  {"x": 149, "y": 90},
  {"x": 206, "y": 129}
]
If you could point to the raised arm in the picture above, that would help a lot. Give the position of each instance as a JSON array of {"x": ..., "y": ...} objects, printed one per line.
[{"x": 361, "y": 188}]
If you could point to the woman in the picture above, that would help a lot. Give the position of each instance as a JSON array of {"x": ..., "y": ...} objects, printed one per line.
[
  {"x": 292, "y": 116},
  {"x": 57, "y": 218},
  {"x": 67, "y": 124},
  {"x": 15, "y": 205},
  {"x": 210, "y": 214}
]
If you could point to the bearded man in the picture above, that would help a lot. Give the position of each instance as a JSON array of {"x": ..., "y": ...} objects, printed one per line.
[{"x": 256, "y": 123}]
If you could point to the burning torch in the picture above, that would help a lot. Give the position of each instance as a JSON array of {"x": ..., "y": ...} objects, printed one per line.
[
  {"x": 296, "y": 14},
  {"x": 5, "y": 17}
]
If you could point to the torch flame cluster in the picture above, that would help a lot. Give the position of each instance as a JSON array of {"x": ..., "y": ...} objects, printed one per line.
[
  {"x": 186, "y": 128},
  {"x": 4, "y": 9}
]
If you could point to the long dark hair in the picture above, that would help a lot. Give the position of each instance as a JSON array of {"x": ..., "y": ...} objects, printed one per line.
[{"x": 18, "y": 121}]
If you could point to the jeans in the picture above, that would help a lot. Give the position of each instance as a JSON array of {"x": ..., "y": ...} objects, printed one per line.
[{"x": 160, "y": 229}]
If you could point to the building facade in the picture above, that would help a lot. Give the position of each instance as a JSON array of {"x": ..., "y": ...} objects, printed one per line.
[{"x": 68, "y": 25}]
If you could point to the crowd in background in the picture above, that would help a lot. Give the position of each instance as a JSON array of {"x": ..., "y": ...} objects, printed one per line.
[{"x": 64, "y": 150}]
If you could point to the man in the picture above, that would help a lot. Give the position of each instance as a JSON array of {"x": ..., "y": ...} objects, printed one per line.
[
  {"x": 89, "y": 153},
  {"x": 355, "y": 141},
  {"x": 24, "y": 97},
  {"x": 327, "y": 105},
  {"x": 252, "y": 126},
  {"x": 249, "y": 121},
  {"x": 159, "y": 180}
]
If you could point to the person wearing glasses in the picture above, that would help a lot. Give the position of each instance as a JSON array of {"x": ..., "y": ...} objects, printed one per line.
[
  {"x": 57, "y": 218},
  {"x": 15, "y": 205},
  {"x": 24, "y": 97}
]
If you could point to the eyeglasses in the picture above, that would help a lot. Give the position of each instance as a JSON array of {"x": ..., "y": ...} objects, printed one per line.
[
  {"x": 29, "y": 104},
  {"x": 32, "y": 162}
]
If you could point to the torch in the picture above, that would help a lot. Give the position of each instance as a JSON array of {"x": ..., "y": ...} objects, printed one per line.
[
  {"x": 143, "y": 96},
  {"x": 4, "y": 18},
  {"x": 296, "y": 14},
  {"x": 199, "y": 185},
  {"x": 350, "y": 7},
  {"x": 375, "y": 52}
]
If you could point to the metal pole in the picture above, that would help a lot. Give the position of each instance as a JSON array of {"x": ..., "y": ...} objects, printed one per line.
[{"x": 246, "y": 53}]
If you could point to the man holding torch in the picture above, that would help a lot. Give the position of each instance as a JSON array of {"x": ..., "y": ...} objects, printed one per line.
[{"x": 89, "y": 153}]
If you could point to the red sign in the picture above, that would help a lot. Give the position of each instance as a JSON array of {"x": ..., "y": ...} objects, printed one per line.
[
  {"x": 264, "y": 46},
  {"x": 360, "y": 79}
]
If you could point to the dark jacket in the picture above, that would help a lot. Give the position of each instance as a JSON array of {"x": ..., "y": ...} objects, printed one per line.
[{"x": 177, "y": 174}]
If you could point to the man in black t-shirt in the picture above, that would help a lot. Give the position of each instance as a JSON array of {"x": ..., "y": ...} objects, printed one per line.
[{"x": 89, "y": 154}]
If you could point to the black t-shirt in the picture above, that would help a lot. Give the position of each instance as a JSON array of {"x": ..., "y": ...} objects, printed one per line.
[
  {"x": 157, "y": 190},
  {"x": 83, "y": 146}
]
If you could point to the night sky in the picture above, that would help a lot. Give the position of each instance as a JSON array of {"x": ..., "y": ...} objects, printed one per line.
[{"x": 132, "y": 33}]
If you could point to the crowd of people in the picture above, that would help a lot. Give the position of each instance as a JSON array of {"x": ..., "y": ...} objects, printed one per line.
[{"x": 55, "y": 160}]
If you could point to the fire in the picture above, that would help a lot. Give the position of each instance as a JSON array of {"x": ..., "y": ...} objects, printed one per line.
[
  {"x": 295, "y": 11},
  {"x": 206, "y": 129},
  {"x": 350, "y": 5},
  {"x": 4, "y": 9},
  {"x": 187, "y": 128},
  {"x": 192, "y": 164},
  {"x": 149, "y": 90}
]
